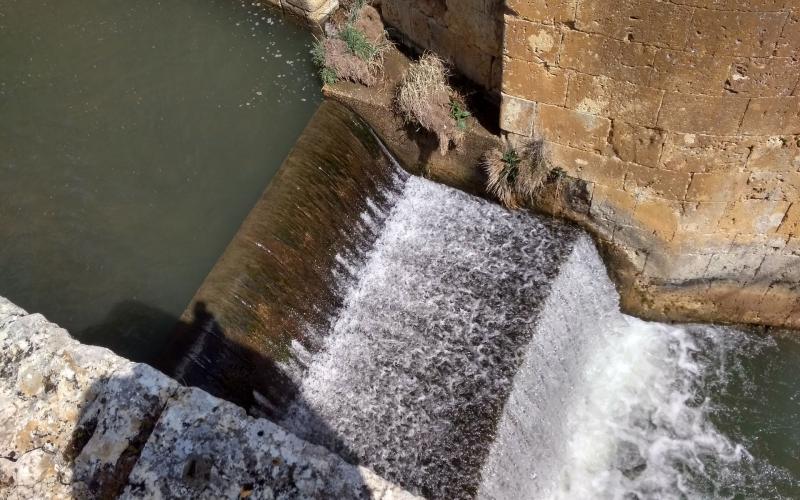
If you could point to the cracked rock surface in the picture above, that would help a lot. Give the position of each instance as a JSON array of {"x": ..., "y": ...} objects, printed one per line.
[{"x": 78, "y": 421}]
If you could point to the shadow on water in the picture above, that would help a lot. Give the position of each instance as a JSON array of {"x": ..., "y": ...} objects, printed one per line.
[
  {"x": 127, "y": 330},
  {"x": 222, "y": 367}
]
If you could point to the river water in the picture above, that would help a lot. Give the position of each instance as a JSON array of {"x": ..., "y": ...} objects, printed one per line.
[{"x": 135, "y": 137}]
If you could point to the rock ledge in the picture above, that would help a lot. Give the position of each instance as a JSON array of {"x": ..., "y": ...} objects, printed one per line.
[{"x": 80, "y": 422}]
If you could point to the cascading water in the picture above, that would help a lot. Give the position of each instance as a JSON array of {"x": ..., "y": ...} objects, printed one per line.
[
  {"x": 609, "y": 406},
  {"x": 414, "y": 373},
  {"x": 462, "y": 350}
]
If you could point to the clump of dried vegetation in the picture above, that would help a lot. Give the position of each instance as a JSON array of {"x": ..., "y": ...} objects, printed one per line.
[
  {"x": 354, "y": 49},
  {"x": 515, "y": 175},
  {"x": 424, "y": 98}
]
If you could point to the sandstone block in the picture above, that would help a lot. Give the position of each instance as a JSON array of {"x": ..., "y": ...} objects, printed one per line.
[
  {"x": 531, "y": 41},
  {"x": 474, "y": 26},
  {"x": 764, "y": 243},
  {"x": 315, "y": 11},
  {"x": 789, "y": 41},
  {"x": 612, "y": 204},
  {"x": 737, "y": 33},
  {"x": 716, "y": 186},
  {"x": 763, "y": 77},
  {"x": 431, "y": 8},
  {"x": 516, "y": 115},
  {"x": 591, "y": 167},
  {"x": 544, "y": 10},
  {"x": 636, "y": 144},
  {"x": 635, "y": 256},
  {"x": 571, "y": 128},
  {"x": 776, "y": 154},
  {"x": 780, "y": 268},
  {"x": 688, "y": 242},
  {"x": 604, "y": 96},
  {"x": 412, "y": 22},
  {"x": 534, "y": 82},
  {"x": 699, "y": 114},
  {"x": 790, "y": 225},
  {"x": 689, "y": 72},
  {"x": 741, "y": 5},
  {"x": 658, "y": 216},
  {"x": 675, "y": 268},
  {"x": 793, "y": 245},
  {"x": 767, "y": 244},
  {"x": 700, "y": 217},
  {"x": 754, "y": 216},
  {"x": 766, "y": 185},
  {"x": 667, "y": 24},
  {"x": 772, "y": 116},
  {"x": 308, "y": 5},
  {"x": 613, "y": 18},
  {"x": 647, "y": 181},
  {"x": 600, "y": 55},
  {"x": 704, "y": 153},
  {"x": 655, "y": 23},
  {"x": 740, "y": 265}
]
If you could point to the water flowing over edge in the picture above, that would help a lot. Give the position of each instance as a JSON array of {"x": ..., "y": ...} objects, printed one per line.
[{"x": 609, "y": 406}]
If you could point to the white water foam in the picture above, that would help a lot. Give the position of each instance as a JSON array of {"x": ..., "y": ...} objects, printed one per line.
[
  {"x": 461, "y": 316},
  {"x": 609, "y": 406},
  {"x": 414, "y": 374}
]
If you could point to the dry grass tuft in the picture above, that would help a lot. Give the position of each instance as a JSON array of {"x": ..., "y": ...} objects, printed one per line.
[
  {"x": 424, "y": 98},
  {"x": 355, "y": 50},
  {"x": 343, "y": 64},
  {"x": 515, "y": 176}
]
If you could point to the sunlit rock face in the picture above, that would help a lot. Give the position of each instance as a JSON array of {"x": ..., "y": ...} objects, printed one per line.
[{"x": 78, "y": 421}]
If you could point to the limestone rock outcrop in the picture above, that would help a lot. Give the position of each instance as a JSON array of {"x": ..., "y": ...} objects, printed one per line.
[{"x": 81, "y": 422}]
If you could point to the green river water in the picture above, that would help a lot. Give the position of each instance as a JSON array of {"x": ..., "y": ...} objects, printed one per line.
[{"x": 135, "y": 137}]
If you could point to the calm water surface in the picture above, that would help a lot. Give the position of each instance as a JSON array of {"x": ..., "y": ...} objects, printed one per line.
[{"x": 135, "y": 136}]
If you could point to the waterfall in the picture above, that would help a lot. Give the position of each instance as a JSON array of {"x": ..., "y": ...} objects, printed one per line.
[
  {"x": 609, "y": 406},
  {"x": 456, "y": 348},
  {"x": 414, "y": 373}
]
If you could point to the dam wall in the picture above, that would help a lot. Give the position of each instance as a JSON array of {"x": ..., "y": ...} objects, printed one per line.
[{"x": 679, "y": 120}]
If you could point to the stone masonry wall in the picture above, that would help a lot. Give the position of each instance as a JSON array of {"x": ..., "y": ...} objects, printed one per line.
[
  {"x": 680, "y": 119},
  {"x": 468, "y": 33}
]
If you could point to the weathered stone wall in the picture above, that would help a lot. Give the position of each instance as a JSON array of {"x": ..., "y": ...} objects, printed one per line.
[
  {"x": 682, "y": 120},
  {"x": 468, "y": 33},
  {"x": 77, "y": 421}
]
